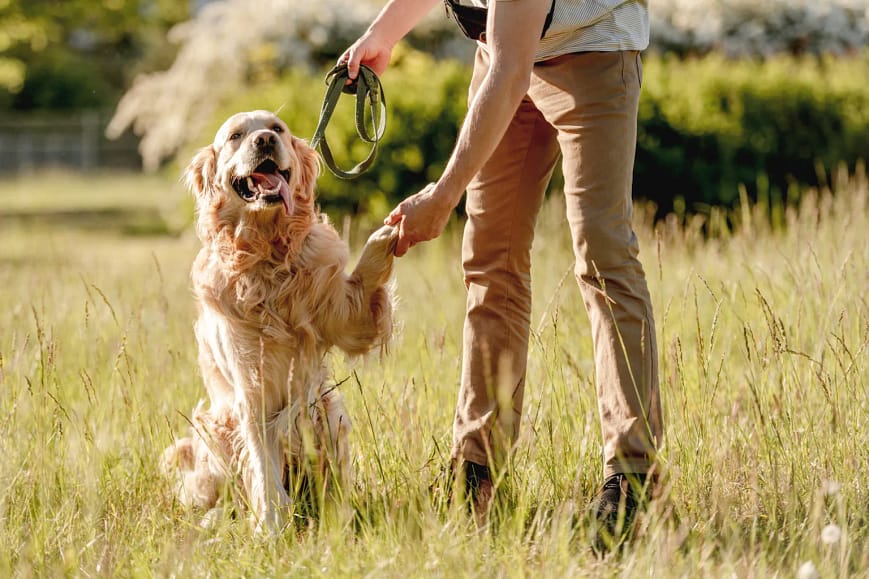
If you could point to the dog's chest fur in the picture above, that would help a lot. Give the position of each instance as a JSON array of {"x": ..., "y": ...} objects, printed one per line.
[{"x": 256, "y": 293}]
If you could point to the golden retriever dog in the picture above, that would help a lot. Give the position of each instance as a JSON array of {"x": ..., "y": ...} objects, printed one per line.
[{"x": 273, "y": 297}]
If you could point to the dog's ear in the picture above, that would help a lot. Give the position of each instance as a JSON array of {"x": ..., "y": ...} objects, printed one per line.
[
  {"x": 201, "y": 171},
  {"x": 309, "y": 162}
]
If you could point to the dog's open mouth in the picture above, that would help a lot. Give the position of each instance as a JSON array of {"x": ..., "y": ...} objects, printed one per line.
[{"x": 267, "y": 183}]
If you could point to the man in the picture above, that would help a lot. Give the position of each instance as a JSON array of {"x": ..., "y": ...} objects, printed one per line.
[{"x": 572, "y": 93}]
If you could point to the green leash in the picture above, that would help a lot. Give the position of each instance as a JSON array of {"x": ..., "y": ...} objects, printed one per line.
[{"x": 368, "y": 90}]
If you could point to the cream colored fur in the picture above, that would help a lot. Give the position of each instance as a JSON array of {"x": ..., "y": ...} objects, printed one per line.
[{"x": 273, "y": 298}]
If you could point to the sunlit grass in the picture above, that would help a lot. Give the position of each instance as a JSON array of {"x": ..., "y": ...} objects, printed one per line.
[
  {"x": 763, "y": 349},
  {"x": 55, "y": 190}
]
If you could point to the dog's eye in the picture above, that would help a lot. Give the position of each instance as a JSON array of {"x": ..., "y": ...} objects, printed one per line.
[
  {"x": 234, "y": 136},
  {"x": 278, "y": 129}
]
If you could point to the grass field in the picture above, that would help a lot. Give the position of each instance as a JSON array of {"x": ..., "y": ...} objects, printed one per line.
[{"x": 763, "y": 340}]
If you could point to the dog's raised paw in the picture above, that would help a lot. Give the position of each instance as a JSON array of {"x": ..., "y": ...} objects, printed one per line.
[{"x": 386, "y": 234}]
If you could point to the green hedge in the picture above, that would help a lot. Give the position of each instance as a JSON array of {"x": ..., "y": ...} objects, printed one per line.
[
  {"x": 706, "y": 126},
  {"x": 426, "y": 102}
]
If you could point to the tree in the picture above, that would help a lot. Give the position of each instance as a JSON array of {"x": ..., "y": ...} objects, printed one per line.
[{"x": 67, "y": 54}]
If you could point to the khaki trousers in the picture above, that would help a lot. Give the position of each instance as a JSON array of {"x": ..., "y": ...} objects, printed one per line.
[{"x": 582, "y": 107}]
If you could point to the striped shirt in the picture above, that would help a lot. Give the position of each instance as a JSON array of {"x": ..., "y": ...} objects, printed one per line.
[{"x": 592, "y": 25}]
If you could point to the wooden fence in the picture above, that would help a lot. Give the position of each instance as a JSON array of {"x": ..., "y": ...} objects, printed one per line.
[{"x": 77, "y": 141}]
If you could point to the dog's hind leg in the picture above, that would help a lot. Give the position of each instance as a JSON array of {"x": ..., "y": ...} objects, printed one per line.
[
  {"x": 331, "y": 433},
  {"x": 187, "y": 464}
]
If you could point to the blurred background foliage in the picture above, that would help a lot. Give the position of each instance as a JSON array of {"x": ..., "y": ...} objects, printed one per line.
[
  {"x": 426, "y": 102},
  {"x": 770, "y": 96},
  {"x": 708, "y": 125},
  {"x": 72, "y": 54}
]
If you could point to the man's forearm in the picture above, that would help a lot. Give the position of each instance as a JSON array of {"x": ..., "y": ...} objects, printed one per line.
[
  {"x": 398, "y": 17},
  {"x": 487, "y": 120},
  {"x": 511, "y": 44}
]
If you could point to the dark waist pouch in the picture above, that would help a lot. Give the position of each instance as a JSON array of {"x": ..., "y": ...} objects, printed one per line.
[{"x": 472, "y": 20}]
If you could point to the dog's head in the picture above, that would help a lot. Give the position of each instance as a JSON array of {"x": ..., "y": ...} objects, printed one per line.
[{"x": 255, "y": 169}]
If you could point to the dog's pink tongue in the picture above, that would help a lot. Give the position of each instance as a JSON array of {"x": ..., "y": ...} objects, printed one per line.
[{"x": 271, "y": 183}]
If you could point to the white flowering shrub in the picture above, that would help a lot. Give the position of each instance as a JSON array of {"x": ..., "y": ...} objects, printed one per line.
[
  {"x": 220, "y": 50},
  {"x": 227, "y": 48},
  {"x": 760, "y": 28}
]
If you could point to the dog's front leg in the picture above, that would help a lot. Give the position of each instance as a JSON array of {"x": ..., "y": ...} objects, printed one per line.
[
  {"x": 236, "y": 371},
  {"x": 260, "y": 474}
]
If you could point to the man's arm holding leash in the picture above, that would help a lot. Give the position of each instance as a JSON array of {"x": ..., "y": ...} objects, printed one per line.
[{"x": 513, "y": 35}]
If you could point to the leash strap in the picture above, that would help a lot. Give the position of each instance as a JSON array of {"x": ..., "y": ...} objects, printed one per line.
[{"x": 368, "y": 91}]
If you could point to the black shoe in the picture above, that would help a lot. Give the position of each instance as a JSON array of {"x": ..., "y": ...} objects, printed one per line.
[
  {"x": 478, "y": 487},
  {"x": 615, "y": 507},
  {"x": 476, "y": 483}
]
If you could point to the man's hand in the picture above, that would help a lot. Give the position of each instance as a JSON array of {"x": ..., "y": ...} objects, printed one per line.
[
  {"x": 420, "y": 217},
  {"x": 374, "y": 48},
  {"x": 370, "y": 50}
]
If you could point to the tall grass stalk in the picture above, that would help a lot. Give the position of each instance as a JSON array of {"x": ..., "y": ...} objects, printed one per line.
[{"x": 763, "y": 337}]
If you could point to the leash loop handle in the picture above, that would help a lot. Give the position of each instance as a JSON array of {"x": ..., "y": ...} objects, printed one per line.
[{"x": 369, "y": 94}]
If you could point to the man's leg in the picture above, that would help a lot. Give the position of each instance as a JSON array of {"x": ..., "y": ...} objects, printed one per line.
[
  {"x": 592, "y": 99},
  {"x": 502, "y": 206}
]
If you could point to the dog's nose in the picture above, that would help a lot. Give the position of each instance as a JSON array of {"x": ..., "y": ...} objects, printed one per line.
[{"x": 266, "y": 139}]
